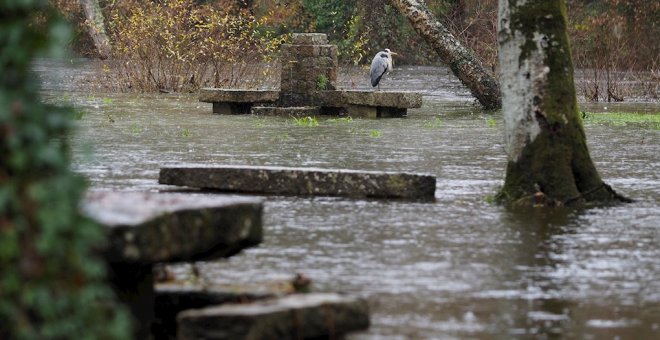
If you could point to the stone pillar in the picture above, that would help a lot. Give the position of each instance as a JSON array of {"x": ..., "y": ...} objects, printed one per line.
[{"x": 309, "y": 64}]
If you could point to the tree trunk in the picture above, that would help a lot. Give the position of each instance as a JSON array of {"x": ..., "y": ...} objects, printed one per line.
[
  {"x": 548, "y": 159},
  {"x": 96, "y": 27},
  {"x": 463, "y": 63}
]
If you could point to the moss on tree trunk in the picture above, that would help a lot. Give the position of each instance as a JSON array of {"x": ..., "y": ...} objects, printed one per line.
[{"x": 548, "y": 158}]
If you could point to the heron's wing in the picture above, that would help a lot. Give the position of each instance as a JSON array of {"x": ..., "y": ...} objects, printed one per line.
[{"x": 378, "y": 68}]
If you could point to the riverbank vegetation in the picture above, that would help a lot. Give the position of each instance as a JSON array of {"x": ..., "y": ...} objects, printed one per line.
[
  {"x": 642, "y": 120},
  {"x": 181, "y": 45}
]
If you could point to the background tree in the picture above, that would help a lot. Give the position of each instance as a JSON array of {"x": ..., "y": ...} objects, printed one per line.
[
  {"x": 460, "y": 60},
  {"x": 613, "y": 41},
  {"x": 95, "y": 24},
  {"x": 548, "y": 159},
  {"x": 52, "y": 282}
]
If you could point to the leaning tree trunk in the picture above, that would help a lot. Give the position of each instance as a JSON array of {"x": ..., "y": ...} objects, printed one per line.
[
  {"x": 96, "y": 27},
  {"x": 463, "y": 63},
  {"x": 548, "y": 159}
]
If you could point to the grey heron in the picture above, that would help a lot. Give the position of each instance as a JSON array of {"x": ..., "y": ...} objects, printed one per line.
[{"x": 381, "y": 64}]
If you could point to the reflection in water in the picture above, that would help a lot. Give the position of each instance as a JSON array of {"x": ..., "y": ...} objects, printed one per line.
[{"x": 459, "y": 267}]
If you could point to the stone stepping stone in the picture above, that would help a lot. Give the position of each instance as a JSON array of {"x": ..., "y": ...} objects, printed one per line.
[
  {"x": 146, "y": 228},
  {"x": 302, "y": 181},
  {"x": 297, "y": 316}
]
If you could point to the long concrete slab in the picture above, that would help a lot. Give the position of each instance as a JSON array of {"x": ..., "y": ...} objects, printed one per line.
[
  {"x": 391, "y": 99},
  {"x": 302, "y": 181},
  {"x": 146, "y": 228}
]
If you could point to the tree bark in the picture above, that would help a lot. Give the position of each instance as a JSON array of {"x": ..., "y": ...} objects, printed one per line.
[
  {"x": 463, "y": 63},
  {"x": 96, "y": 27},
  {"x": 548, "y": 158}
]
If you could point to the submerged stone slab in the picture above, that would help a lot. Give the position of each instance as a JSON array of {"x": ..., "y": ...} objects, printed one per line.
[
  {"x": 145, "y": 228},
  {"x": 402, "y": 100},
  {"x": 298, "y": 316},
  {"x": 302, "y": 181},
  {"x": 214, "y": 95}
]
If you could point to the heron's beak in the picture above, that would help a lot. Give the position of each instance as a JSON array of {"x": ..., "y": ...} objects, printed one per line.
[{"x": 393, "y": 53}]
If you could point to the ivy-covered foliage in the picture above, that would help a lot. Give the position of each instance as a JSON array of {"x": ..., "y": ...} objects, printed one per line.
[{"x": 51, "y": 282}]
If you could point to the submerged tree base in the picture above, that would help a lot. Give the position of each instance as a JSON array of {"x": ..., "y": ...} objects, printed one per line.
[{"x": 598, "y": 196}]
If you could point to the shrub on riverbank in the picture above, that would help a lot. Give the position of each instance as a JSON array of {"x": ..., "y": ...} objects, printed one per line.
[{"x": 181, "y": 46}]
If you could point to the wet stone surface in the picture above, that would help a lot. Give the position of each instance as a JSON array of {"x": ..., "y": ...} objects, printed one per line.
[
  {"x": 302, "y": 181},
  {"x": 298, "y": 316},
  {"x": 145, "y": 228},
  {"x": 401, "y": 100}
]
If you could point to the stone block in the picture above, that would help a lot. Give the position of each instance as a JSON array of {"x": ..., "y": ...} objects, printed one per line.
[
  {"x": 332, "y": 75},
  {"x": 328, "y": 98},
  {"x": 286, "y": 86},
  {"x": 306, "y": 51},
  {"x": 311, "y": 51},
  {"x": 212, "y": 95},
  {"x": 391, "y": 112},
  {"x": 146, "y": 228},
  {"x": 322, "y": 62},
  {"x": 173, "y": 298},
  {"x": 295, "y": 99},
  {"x": 302, "y": 181},
  {"x": 329, "y": 51},
  {"x": 362, "y": 111},
  {"x": 309, "y": 39},
  {"x": 383, "y": 98},
  {"x": 231, "y": 108},
  {"x": 365, "y": 111},
  {"x": 298, "y": 316}
]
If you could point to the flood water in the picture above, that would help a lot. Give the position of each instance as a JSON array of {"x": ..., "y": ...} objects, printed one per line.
[{"x": 459, "y": 267}]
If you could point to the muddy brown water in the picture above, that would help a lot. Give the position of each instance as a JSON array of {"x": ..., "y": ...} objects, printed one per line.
[{"x": 456, "y": 268}]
